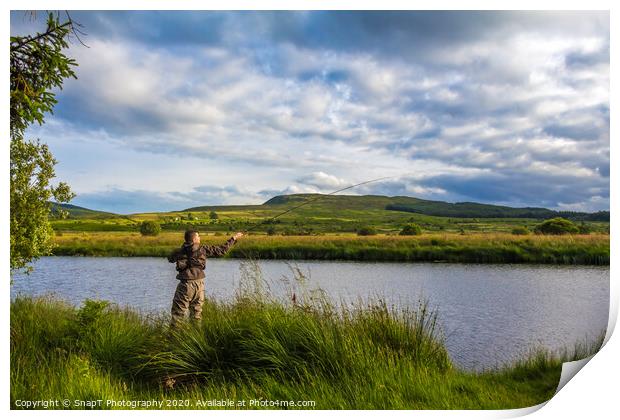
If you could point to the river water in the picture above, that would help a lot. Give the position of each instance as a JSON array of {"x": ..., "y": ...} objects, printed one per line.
[{"x": 489, "y": 314}]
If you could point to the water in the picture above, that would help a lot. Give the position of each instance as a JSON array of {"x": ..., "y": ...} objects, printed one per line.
[{"x": 490, "y": 314}]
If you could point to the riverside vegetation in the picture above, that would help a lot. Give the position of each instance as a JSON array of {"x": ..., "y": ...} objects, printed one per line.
[
  {"x": 330, "y": 214},
  {"x": 447, "y": 247},
  {"x": 359, "y": 356},
  {"x": 369, "y": 228}
]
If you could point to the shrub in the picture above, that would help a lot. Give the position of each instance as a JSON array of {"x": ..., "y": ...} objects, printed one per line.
[
  {"x": 366, "y": 231},
  {"x": 522, "y": 230},
  {"x": 557, "y": 226},
  {"x": 213, "y": 215},
  {"x": 150, "y": 228},
  {"x": 584, "y": 229},
  {"x": 411, "y": 229}
]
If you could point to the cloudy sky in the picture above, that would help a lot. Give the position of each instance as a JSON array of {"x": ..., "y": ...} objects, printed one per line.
[{"x": 176, "y": 109}]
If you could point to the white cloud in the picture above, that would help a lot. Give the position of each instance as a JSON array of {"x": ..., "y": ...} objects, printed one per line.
[
  {"x": 530, "y": 101},
  {"x": 322, "y": 180}
]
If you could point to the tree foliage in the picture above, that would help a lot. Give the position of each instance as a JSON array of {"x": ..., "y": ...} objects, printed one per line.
[
  {"x": 471, "y": 210},
  {"x": 521, "y": 230},
  {"x": 32, "y": 167},
  {"x": 150, "y": 228},
  {"x": 411, "y": 229},
  {"x": 38, "y": 65},
  {"x": 557, "y": 226}
]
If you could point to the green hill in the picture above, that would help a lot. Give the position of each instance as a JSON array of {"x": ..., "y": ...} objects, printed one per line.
[
  {"x": 321, "y": 203},
  {"x": 77, "y": 212},
  {"x": 430, "y": 208}
]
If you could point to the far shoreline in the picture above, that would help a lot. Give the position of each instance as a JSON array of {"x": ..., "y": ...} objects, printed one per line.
[{"x": 477, "y": 248}]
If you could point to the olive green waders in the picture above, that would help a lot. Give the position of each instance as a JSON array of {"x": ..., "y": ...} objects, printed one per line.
[{"x": 190, "y": 294}]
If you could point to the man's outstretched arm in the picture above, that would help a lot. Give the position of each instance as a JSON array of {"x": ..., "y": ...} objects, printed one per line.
[
  {"x": 219, "y": 250},
  {"x": 172, "y": 257}
]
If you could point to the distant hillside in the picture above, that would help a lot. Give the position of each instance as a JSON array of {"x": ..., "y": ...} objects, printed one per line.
[
  {"x": 336, "y": 202},
  {"x": 77, "y": 212},
  {"x": 239, "y": 207},
  {"x": 434, "y": 208},
  {"x": 332, "y": 205},
  {"x": 328, "y": 214}
]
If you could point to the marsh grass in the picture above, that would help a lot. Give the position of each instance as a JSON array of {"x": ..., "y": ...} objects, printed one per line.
[
  {"x": 470, "y": 248},
  {"x": 362, "y": 355}
]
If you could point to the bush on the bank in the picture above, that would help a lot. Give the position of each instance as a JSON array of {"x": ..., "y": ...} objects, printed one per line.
[
  {"x": 411, "y": 229},
  {"x": 557, "y": 226},
  {"x": 366, "y": 231},
  {"x": 521, "y": 230},
  {"x": 584, "y": 229},
  {"x": 150, "y": 228}
]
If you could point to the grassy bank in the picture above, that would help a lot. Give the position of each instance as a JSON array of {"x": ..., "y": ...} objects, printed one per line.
[
  {"x": 258, "y": 349},
  {"x": 470, "y": 248}
]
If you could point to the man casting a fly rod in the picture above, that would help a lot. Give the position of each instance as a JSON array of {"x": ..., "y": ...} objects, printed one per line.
[{"x": 190, "y": 261}]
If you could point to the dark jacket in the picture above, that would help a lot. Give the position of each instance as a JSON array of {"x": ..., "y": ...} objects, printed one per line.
[{"x": 191, "y": 259}]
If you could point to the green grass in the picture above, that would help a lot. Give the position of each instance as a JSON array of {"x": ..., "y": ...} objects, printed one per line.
[
  {"x": 331, "y": 214},
  {"x": 590, "y": 249},
  {"x": 368, "y": 356}
]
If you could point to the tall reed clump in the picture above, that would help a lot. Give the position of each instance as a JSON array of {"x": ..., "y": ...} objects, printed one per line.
[{"x": 257, "y": 334}]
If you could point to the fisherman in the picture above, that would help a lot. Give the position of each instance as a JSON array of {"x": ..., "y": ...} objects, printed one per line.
[{"x": 190, "y": 261}]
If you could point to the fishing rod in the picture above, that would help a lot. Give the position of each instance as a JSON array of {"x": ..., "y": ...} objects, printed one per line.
[{"x": 312, "y": 200}]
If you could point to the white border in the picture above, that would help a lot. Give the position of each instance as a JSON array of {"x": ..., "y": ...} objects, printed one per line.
[{"x": 592, "y": 394}]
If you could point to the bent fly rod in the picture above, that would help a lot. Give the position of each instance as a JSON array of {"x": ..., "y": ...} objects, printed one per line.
[{"x": 312, "y": 200}]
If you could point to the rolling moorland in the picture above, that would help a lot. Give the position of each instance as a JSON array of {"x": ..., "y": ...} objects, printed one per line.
[{"x": 346, "y": 227}]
